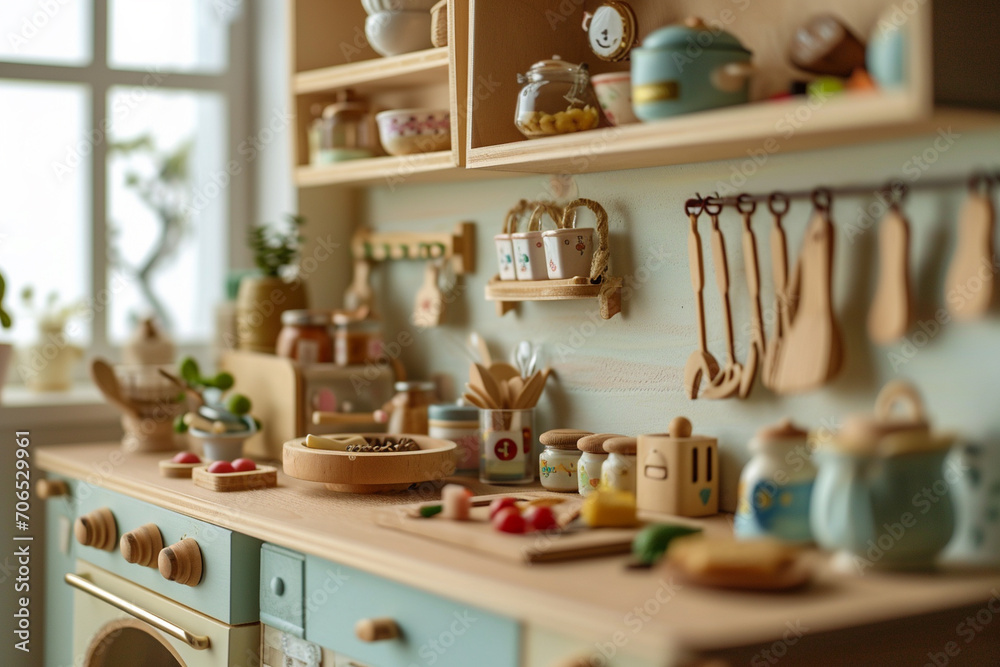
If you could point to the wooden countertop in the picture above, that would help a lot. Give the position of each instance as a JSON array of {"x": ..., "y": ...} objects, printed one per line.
[{"x": 592, "y": 598}]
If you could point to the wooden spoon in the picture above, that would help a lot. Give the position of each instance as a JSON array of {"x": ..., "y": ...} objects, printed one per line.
[
  {"x": 727, "y": 381},
  {"x": 970, "y": 277},
  {"x": 476, "y": 401},
  {"x": 502, "y": 371},
  {"x": 483, "y": 397},
  {"x": 479, "y": 376},
  {"x": 106, "y": 380},
  {"x": 532, "y": 390},
  {"x": 701, "y": 364},
  {"x": 779, "y": 273},
  {"x": 516, "y": 386},
  {"x": 889, "y": 314},
  {"x": 757, "y": 343}
]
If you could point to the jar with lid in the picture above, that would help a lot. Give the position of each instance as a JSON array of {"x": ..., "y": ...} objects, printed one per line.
[
  {"x": 460, "y": 424},
  {"x": 776, "y": 485},
  {"x": 619, "y": 471},
  {"x": 347, "y": 130},
  {"x": 591, "y": 461},
  {"x": 356, "y": 341},
  {"x": 558, "y": 462},
  {"x": 305, "y": 336},
  {"x": 407, "y": 410},
  {"x": 556, "y": 98}
]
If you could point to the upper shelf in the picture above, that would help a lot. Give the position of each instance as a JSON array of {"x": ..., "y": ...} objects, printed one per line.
[{"x": 409, "y": 70}]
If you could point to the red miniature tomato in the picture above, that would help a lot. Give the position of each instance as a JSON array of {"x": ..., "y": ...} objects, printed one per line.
[
  {"x": 244, "y": 465},
  {"x": 501, "y": 503},
  {"x": 509, "y": 520},
  {"x": 541, "y": 518},
  {"x": 186, "y": 457},
  {"x": 220, "y": 467}
]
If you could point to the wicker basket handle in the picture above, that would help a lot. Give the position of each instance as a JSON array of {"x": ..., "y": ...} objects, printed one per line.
[
  {"x": 602, "y": 253},
  {"x": 543, "y": 208}
]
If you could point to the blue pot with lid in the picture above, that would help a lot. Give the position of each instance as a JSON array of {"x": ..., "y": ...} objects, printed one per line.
[{"x": 689, "y": 67}]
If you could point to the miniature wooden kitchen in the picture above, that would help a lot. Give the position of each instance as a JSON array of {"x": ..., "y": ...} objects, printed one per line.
[{"x": 605, "y": 333}]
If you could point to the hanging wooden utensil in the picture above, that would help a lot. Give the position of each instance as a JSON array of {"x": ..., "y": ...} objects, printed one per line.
[
  {"x": 726, "y": 382},
  {"x": 812, "y": 352},
  {"x": 479, "y": 376},
  {"x": 359, "y": 292},
  {"x": 701, "y": 364},
  {"x": 430, "y": 302},
  {"x": 779, "y": 273},
  {"x": 970, "y": 277},
  {"x": 755, "y": 353},
  {"x": 889, "y": 314}
]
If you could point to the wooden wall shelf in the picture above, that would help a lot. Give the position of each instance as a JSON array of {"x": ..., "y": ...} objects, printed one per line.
[
  {"x": 389, "y": 170},
  {"x": 409, "y": 70},
  {"x": 507, "y": 293}
]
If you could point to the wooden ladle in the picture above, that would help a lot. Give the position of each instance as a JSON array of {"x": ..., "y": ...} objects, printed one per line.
[
  {"x": 727, "y": 381},
  {"x": 701, "y": 364},
  {"x": 106, "y": 380}
]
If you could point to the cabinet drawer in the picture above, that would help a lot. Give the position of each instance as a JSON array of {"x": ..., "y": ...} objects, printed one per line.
[
  {"x": 433, "y": 630},
  {"x": 282, "y": 579},
  {"x": 545, "y": 648}
]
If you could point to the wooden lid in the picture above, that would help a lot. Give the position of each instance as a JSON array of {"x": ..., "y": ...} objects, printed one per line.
[
  {"x": 562, "y": 438},
  {"x": 622, "y": 444},
  {"x": 594, "y": 444},
  {"x": 680, "y": 427}
]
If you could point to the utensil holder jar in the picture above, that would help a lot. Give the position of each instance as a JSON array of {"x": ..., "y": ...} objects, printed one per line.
[{"x": 508, "y": 446}]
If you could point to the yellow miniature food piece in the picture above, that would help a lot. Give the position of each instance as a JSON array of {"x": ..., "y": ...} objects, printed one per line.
[
  {"x": 703, "y": 556},
  {"x": 548, "y": 124},
  {"x": 564, "y": 122},
  {"x": 335, "y": 443},
  {"x": 606, "y": 507}
]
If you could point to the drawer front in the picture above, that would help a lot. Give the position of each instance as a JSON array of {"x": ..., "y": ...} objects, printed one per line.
[
  {"x": 229, "y": 587},
  {"x": 60, "y": 550},
  {"x": 434, "y": 630},
  {"x": 282, "y": 580},
  {"x": 545, "y": 648}
]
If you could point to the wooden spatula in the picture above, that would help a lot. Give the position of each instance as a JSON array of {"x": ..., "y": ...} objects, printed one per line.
[
  {"x": 479, "y": 376},
  {"x": 970, "y": 277},
  {"x": 701, "y": 365},
  {"x": 779, "y": 273},
  {"x": 727, "y": 381},
  {"x": 889, "y": 313},
  {"x": 757, "y": 343},
  {"x": 430, "y": 304}
]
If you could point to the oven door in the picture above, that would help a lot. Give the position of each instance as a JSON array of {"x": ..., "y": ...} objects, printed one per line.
[{"x": 117, "y": 622}]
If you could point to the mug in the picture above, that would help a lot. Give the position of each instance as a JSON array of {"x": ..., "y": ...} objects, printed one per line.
[
  {"x": 505, "y": 256},
  {"x": 529, "y": 250},
  {"x": 614, "y": 92},
  {"x": 568, "y": 252}
]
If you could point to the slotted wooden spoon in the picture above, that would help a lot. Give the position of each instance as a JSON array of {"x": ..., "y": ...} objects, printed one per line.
[
  {"x": 700, "y": 364},
  {"x": 727, "y": 381}
]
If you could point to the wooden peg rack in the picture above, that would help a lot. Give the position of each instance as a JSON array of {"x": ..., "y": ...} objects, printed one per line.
[{"x": 459, "y": 247}]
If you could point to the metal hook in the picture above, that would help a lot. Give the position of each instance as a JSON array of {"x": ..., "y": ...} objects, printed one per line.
[
  {"x": 745, "y": 199},
  {"x": 716, "y": 208},
  {"x": 700, "y": 206},
  {"x": 821, "y": 198},
  {"x": 777, "y": 196}
]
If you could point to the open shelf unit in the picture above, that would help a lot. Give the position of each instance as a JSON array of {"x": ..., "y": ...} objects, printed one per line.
[{"x": 408, "y": 70}]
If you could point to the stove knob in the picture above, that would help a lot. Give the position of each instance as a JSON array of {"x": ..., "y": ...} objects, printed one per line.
[
  {"x": 51, "y": 488},
  {"x": 97, "y": 529},
  {"x": 142, "y": 546},
  {"x": 181, "y": 562}
]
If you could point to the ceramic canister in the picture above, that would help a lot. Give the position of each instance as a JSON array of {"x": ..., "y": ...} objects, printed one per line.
[
  {"x": 529, "y": 250},
  {"x": 776, "y": 486},
  {"x": 591, "y": 461},
  {"x": 568, "y": 252},
  {"x": 460, "y": 424},
  {"x": 973, "y": 470},
  {"x": 618, "y": 472},
  {"x": 614, "y": 92}
]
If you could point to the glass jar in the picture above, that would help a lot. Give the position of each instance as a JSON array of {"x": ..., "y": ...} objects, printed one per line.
[
  {"x": 557, "y": 467},
  {"x": 556, "y": 98},
  {"x": 356, "y": 342},
  {"x": 347, "y": 130},
  {"x": 619, "y": 471},
  {"x": 305, "y": 336},
  {"x": 460, "y": 424},
  {"x": 408, "y": 408},
  {"x": 508, "y": 440},
  {"x": 588, "y": 471}
]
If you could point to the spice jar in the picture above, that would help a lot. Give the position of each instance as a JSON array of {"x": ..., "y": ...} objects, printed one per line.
[
  {"x": 347, "y": 130},
  {"x": 588, "y": 471},
  {"x": 556, "y": 98},
  {"x": 356, "y": 342},
  {"x": 305, "y": 336},
  {"x": 618, "y": 472},
  {"x": 408, "y": 408},
  {"x": 557, "y": 464},
  {"x": 460, "y": 424}
]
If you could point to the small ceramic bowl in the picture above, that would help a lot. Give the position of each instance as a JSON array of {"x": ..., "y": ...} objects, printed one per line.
[
  {"x": 410, "y": 131},
  {"x": 393, "y": 33},
  {"x": 376, "y": 6},
  {"x": 529, "y": 256},
  {"x": 505, "y": 256},
  {"x": 224, "y": 446},
  {"x": 568, "y": 252},
  {"x": 614, "y": 92}
]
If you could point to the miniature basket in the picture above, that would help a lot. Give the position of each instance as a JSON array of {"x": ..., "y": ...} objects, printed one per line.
[{"x": 439, "y": 24}]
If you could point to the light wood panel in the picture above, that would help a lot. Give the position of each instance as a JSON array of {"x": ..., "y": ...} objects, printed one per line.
[{"x": 408, "y": 70}]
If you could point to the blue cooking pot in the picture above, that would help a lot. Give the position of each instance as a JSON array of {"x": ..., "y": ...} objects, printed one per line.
[{"x": 689, "y": 67}]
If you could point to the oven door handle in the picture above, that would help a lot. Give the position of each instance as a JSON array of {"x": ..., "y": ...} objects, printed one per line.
[{"x": 197, "y": 642}]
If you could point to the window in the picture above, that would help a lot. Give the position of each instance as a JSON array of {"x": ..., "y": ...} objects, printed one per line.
[{"x": 117, "y": 119}]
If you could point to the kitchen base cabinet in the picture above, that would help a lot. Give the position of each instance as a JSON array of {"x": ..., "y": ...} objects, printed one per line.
[
  {"x": 60, "y": 550},
  {"x": 412, "y": 627},
  {"x": 546, "y": 648}
]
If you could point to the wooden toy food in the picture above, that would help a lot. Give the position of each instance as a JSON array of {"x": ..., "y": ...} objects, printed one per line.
[
  {"x": 652, "y": 541},
  {"x": 509, "y": 520},
  {"x": 608, "y": 507},
  {"x": 727, "y": 563},
  {"x": 678, "y": 472},
  {"x": 455, "y": 503},
  {"x": 220, "y": 467},
  {"x": 223, "y": 476},
  {"x": 572, "y": 119},
  {"x": 244, "y": 465},
  {"x": 180, "y": 465}
]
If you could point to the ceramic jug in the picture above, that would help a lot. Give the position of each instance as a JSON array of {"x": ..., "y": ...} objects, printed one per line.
[{"x": 881, "y": 496}]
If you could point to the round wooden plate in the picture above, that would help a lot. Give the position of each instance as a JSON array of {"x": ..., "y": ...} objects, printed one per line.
[{"x": 370, "y": 472}]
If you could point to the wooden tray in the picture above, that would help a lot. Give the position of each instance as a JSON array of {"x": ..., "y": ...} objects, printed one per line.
[
  {"x": 263, "y": 477},
  {"x": 509, "y": 292},
  {"x": 576, "y": 541},
  {"x": 180, "y": 470}
]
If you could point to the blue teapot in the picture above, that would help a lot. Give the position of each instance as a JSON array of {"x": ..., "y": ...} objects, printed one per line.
[{"x": 881, "y": 496}]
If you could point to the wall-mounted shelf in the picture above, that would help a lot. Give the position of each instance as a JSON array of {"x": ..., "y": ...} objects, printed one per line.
[
  {"x": 409, "y": 70},
  {"x": 507, "y": 293},
  {"x": 389, "y": 170}
]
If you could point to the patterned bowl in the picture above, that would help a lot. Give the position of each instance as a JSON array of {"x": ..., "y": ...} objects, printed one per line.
[{"x": 409, "y": 131}]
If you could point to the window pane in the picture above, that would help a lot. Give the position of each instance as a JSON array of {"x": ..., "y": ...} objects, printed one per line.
[
  {"x": 167, "y": 206},
  {"x": 178, "y": 35},
  {"x": 45, "y": 219},
  {"x": 54, "y": 32}
]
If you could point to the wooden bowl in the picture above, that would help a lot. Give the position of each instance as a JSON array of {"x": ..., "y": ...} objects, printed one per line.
[{"x": 370, "y": 472}]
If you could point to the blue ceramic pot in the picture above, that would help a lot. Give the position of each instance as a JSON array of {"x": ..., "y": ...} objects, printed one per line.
[{"x": 684, "y": 68}]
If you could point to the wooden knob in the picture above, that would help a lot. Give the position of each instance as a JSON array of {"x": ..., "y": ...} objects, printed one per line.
[
  {"x": 181, "y": 562},
  {"x": 376, "y": 629},
  {"x": 51, "y": 488},
  {"x": 97, "y": 529},
  {"x": 142, "y": 546},
  {"x": 680, "y": 427}
]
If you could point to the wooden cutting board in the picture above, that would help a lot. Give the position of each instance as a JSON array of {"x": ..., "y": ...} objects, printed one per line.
[{"x": 576, "y": 541}]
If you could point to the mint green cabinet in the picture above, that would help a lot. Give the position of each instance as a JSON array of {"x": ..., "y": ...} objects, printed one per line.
[
  {"x": 282, "y": 581},
  {"x": 60, "y": 554}
]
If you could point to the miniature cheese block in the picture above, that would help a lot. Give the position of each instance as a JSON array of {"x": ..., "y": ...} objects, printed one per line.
[
  {"x": 609, "y": 508},
  {"x": 702, "y": 556}
]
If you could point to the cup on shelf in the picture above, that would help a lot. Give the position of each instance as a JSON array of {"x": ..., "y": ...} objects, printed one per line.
[
  {"x": 529, "y": 250},
  {"x": 569, "y": 251},
  {"x": 504, "y": 244}
]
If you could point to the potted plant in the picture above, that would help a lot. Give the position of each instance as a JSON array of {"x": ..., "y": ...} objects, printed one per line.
[
  {"x": 48, "y": 364},
  {"x": 6, "y": 349},
  {"x": 263, "y": 298}
]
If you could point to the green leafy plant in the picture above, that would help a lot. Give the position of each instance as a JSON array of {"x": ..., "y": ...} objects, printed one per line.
[
  {"x": 274, "y": 248},
  {"x": 5, "y": 320},
  {"x": 52, "y": 315},
  {"x": 193, "y": 381}
]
